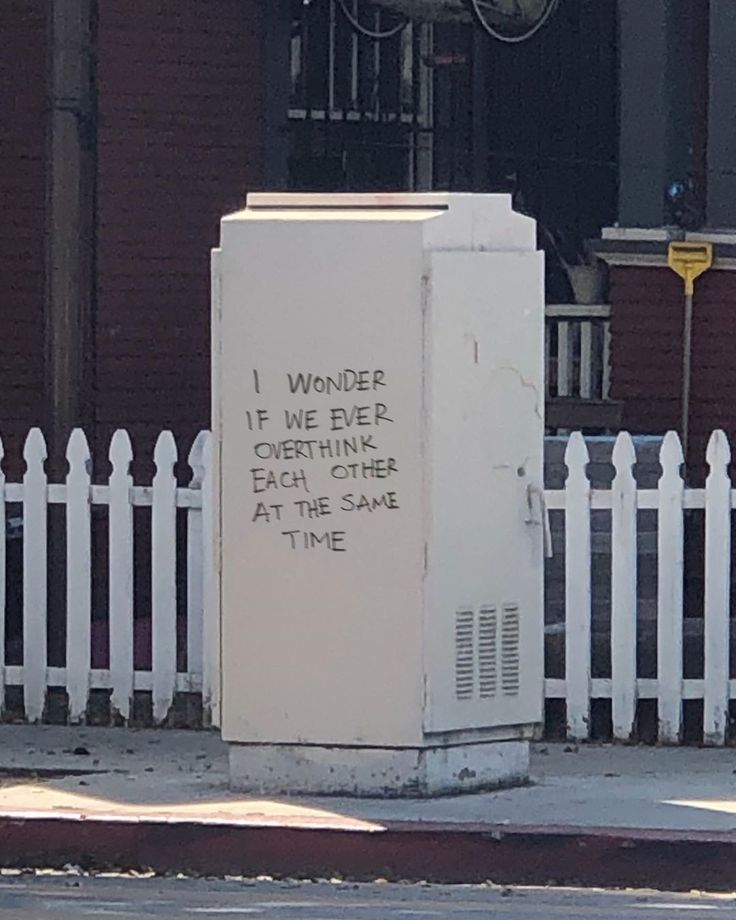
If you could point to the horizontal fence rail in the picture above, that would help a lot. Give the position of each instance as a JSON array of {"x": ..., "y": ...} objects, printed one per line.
[
  {"x": 708, "y": 513},
  {"x": 157, "y": 639}
]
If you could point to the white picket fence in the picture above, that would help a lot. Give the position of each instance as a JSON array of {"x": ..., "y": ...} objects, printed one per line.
[
  {"x": 670, "y": 500},
  {"x": 120, "y": 496},
  {"x": 577, "y": 500}
]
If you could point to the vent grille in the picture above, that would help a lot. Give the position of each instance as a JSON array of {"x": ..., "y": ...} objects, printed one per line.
[
  {"x": 487, "y": 653},
  {"x": 464, "y": 654},
  {"x": 510, "y": 636}
]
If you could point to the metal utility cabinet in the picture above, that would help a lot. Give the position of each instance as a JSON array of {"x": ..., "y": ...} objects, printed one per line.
[{"x": 378, "y": 405}]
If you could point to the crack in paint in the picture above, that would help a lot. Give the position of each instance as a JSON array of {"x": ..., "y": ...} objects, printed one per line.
[{"x": 526, "y": 385}]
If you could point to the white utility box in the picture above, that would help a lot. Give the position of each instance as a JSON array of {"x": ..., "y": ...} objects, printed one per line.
[{"x": 379, "y": 404}]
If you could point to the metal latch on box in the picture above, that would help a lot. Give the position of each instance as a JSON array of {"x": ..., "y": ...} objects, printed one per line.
[{"x": 540, "y": 517}]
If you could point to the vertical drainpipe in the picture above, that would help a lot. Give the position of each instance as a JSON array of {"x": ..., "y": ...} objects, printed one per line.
[
  {"x": 70, "y": 265},
  {"x": 70, "y": 233}
]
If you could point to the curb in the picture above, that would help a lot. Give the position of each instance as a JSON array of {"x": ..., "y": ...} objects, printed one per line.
[{"x": 395, "y": 851}]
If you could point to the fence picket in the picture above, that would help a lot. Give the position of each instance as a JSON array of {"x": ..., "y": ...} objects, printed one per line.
[
  {"x": 34, "y": 575},
  {"x": 120, "y": 542},
  {"x": 586, "y": 359},
  {"x": 606, "y": 382},
  {"x": 623, "y": 589},
  {"x": 670, "y": 573},
  {"x": 2, "y": 579},
  {"x": 78, "y": 575},
  {"x": 577, "y": 588},
  {"x": 211, "y": 611},
  {"x": 717, "y": 589},
  {"x": 195, "y": 599},
  {"x": 564, "y": 362},
  {"x": 163, "y": 568}
]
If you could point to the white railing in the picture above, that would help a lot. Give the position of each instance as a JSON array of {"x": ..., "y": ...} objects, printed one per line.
[
  {"x": 119, "y": 496},
  {"x": 670, "y": 500},
  {"x": 577, "y": 351}
]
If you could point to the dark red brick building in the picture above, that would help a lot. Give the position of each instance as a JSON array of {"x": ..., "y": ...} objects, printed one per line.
[
  {"x": 180, "y": 140},
  {"x": 127, "y": 128},
  {"x": 676, "y": 181},
  {"x": 647, "y": 343},
  {"x": 119, "y": 154},
  {"x": 23, "y": 106}
]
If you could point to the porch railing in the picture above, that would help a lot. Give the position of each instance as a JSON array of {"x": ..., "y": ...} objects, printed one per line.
[{"x": 578, "y": 378}]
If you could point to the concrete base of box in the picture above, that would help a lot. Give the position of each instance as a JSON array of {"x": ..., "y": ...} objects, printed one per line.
[{"x": 280, "y": 769}]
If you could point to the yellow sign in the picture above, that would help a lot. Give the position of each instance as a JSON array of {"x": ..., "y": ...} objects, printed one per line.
[{"x": 690, "y": 260}]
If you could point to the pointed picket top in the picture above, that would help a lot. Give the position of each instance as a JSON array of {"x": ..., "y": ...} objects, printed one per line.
[
  {"x": 121, "y": 451},
  {"x": 2, "y": 457},
  {"x": 718, "y": 453},
  {"x": 165, "y": 453},
  {"x": 577, "y": 587},
  {"x": 78, "y": 575},
  {"x": 577, "y": 458},
  {"x": 120, "y": 538},
  {"x": 78, "y": 454},
  {"x": 717, "y": 602},
  {"x": 671, "y": 456},
  {"x": 670, "y": 570},
  {"x": 623, "y": 589},
  {"x": 163, "y": 576},
  {"x": 35, "y": 521},
  {"x": 197, "y": 459},
  {"x": 34, "y": 450},
  {"x": 624, "y": 456}
]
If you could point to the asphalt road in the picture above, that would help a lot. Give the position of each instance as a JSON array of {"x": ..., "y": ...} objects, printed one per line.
[{"x": 42, "y": 896}]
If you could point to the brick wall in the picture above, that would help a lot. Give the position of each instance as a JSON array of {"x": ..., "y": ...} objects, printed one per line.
[
  {"x": 714, "y": 358},
  {"x": 646, "y": 353},
  {"x": 180, "y": 143},
  {"x": 23, "y": 194},
  {"x": 181, "y": 137}
]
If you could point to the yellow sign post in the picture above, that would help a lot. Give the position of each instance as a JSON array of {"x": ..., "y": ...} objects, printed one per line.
[{"x": 689, "y": 261}]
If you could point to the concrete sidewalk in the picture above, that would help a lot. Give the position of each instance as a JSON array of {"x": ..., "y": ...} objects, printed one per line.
[{"x": 594, "y": 814}]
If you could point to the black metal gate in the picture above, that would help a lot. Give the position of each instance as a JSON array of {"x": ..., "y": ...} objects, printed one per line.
[
  {"x": 442, "y": 106},
  {"x": 360, "y": 111}
]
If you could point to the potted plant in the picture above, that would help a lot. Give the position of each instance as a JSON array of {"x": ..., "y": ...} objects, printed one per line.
[
  {"x": 585, "y": 271},
  {"x": 587, "y": 277}
]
